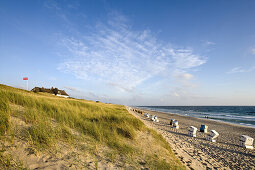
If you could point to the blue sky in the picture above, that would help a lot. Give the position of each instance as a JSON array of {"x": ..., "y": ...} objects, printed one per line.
[{"x": 132, "y": 52}]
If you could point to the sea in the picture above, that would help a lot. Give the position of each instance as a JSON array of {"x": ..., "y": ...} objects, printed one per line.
[{"x": 242, "y": 115}]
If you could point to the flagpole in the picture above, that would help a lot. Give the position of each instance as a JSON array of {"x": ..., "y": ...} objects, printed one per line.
[{"x": 26, "y": 79}]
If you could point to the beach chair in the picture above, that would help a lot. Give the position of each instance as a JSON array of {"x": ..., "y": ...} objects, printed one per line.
[
  {"x": 203, "y": 128},
  {"x": 156, "y": 119},
  {"x": 213, "y": 135},
  {"x": 175, "y": 124},
  {"x": 246, "y": 142},
  {"x": 171, "y": 121},
  {"x": 192, "y": 131},
  {"x": 152, "y": 117}
]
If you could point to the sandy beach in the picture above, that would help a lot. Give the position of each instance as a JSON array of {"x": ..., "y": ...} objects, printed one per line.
[{"x": 197, "y": 152}]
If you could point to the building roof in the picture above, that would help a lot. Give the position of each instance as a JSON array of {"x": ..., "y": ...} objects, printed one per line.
[{"x": 51, "y": 90}]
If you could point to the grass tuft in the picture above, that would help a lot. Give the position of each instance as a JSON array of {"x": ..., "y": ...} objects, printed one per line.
[
  {"x": 4, "y": 116},
  {"x": 7, "y": 162},
  {"x": 41, "y": 136}
]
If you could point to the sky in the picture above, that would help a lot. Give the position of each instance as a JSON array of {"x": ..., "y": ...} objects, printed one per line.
[{"x": 146, "y": 52}]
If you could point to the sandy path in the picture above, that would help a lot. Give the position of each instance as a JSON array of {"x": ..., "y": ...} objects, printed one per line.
[{"x": 197, "y": 153}]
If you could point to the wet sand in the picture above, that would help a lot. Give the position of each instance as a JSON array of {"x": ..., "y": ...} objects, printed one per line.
[{"x": 197, "y": 152}]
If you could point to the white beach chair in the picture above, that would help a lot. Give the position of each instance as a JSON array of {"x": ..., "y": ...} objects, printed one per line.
[
  {"x": 152, "y": 117},
  {"x": 192, "y": 131},
  {"x": 175, "y": 124},
  {"x": 246, "y": 142},
  {"x": 156, "y": 119},
  {"x": 213, "y": 135}
]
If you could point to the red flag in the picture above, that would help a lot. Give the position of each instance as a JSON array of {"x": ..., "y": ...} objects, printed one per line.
[{"x": 25, "y": 78}]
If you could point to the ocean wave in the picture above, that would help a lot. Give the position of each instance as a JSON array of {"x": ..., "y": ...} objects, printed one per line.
[{"x": 234, "y": 114}]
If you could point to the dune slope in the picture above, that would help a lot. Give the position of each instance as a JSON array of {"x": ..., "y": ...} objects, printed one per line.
[{"x": 41, "y": 130}]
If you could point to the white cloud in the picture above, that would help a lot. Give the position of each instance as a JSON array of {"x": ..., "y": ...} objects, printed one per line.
[
  {"x": 253, "y": 50},
  {"x": 241, "y": 70},
  {"x": 210, "y": 43},
  {"x": 51, "y": 5},
  {"x": 72, "y": 88},
  {"x": 185, "y": 59},
  {"x": 116, "y": 55},
  {"x": 183, "y": 75}
]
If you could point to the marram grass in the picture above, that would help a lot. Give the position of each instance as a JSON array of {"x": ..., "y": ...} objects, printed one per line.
[
  {"x": 4, "y": 116},
  {"x": 106, "y": 124}
]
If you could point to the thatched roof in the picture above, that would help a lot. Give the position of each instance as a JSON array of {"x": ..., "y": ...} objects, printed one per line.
[{"x": 52, "y": 90}]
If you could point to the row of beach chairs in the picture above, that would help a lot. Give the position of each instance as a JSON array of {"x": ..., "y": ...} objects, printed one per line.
[
  {"x": 244, "y": 140},
  {"x": 154, "y": 118}
]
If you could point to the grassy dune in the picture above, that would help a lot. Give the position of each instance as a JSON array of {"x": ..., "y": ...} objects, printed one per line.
[{"x": 51, "y": 120}]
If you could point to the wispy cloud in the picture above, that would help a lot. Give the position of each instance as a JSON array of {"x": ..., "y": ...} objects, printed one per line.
[
  {"x": 241, "y": 70},
  {"x": 210, "y": 43},
  {"x": 183, "y": 76},
  {"x": 51, "y": 5},
  {"x": 84, "y": 94},
  {"x": 59, "y": 11},
  {"x": 72, "y": 89},
  {"x": 116, "y": 55},
  {"x": 253, "y": 50}
]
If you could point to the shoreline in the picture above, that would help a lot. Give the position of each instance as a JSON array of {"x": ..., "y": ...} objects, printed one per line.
[
  {"x": 198, "y": 153},
  {"x": 221, "y": 121}
]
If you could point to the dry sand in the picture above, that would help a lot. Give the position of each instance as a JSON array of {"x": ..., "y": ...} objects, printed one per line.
[
  {"x": 197, "y": 153},
  {"x": 62, "y": 156}
]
